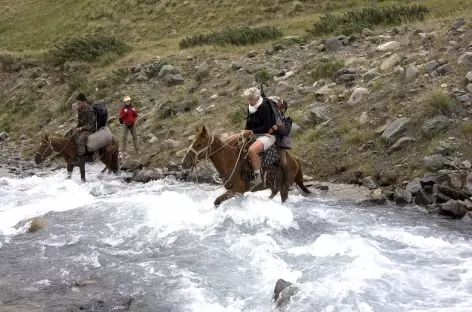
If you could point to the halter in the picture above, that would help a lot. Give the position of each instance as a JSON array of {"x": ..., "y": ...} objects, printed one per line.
[
  {"x": 49, "y": 142},
  {"x": 205, "y": 149}
]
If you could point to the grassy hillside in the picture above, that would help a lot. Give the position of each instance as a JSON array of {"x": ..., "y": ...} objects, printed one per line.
[{"x": 145, "y": 35}]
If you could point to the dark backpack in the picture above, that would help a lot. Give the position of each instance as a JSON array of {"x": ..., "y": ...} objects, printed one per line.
[
  {"x": 276, "y": 116},
  {"x": 101, "y": 110}
]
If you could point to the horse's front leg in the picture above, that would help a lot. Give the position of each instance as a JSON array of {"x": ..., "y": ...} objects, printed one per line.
[
  {"x": 70, "y": 168},
  {"x": 227, "y": 195}
]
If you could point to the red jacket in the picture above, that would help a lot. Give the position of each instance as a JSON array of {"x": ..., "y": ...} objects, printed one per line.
[{"x": 129, "y": 117}]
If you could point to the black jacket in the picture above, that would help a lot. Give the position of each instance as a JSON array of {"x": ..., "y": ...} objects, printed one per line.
[{"x": 261, "y": 121}]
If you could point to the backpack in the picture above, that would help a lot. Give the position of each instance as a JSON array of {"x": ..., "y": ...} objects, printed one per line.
[
  {"x": 276, "y": 116},
  {"x": 101, "y": 110}
]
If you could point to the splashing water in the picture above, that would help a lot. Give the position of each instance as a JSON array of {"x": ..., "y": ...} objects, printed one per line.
[{"x": 164, "y": 245}]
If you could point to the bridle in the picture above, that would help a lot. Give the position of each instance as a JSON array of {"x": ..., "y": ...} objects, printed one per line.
[
  {"x": 209, "y": 154},
  {"x": 49, "y": 142}
]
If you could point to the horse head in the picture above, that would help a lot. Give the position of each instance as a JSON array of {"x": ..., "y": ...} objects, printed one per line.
[
  {"x": 44, "y": 150},
  {"x": 199, "y": 148}
]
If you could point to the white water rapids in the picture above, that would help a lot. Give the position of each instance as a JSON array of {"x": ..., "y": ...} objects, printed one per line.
[{"x": 165, "y": 245}]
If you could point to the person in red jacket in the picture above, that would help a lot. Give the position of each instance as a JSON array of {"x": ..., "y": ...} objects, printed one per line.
[{"x": 128, "y": 117}]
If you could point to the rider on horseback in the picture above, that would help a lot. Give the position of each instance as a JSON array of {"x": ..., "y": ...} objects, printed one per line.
[
  {"x": 259, "y": 123},
  {"x": 85, "y": 127},
  {"x": 283, "y": 137}
]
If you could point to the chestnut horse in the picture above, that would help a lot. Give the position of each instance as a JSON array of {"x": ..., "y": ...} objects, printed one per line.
[
  {"x": 68, "y": 150},
  {"x": 232, "y": 165}
]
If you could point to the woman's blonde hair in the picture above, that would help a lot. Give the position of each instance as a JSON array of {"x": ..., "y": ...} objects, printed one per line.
[{"x": 252, "y": 93}]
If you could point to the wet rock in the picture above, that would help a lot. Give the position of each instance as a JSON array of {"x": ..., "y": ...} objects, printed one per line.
[
  {"x": 390, "y": 62},
  {"x": 85, "y": 282},
  {"x": 414, "y": 186},
  {"x": 333, "y": 44},
  {"x": 451, "y": 193},
  {"x": 435, "y": 162},
  {"x": 372, "y": 200},
  {"x": 36, "y": 225},
  {"x": 401, "y": 143},
  {"x": 466, "y": 59},
  {"x": 283, "y": 292},
  {"x": 131, "y": 164},
  {"x": 204, "y": 174},
  {"x": 434, "y": 125},
  {"x": 147, "y": 175},
  {"x": 357, "y": 95},
  {"x": 455, "y": 180},
  {"x": 395, "y": 129},
  {"x": 453, "y": 208},
  {"x": 402, "y": 196},
  {"x": 370, "y": 183},
  {"x": 423, "y": 198}
]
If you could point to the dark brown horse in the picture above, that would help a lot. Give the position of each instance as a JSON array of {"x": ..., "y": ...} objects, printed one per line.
[
  {"x": 232, "y": 165},
  {"x": 68, "y": 150}
]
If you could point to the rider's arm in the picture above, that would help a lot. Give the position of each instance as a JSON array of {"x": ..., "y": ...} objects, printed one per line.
[
  {"x": 90, "y": 124},
  {"x": 285, "y": 130}
]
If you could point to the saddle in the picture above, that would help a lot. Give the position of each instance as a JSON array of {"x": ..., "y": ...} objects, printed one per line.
[{"x": 269, "y": 159}]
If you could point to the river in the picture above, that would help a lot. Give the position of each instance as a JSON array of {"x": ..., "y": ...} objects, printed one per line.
[{"x": 162, "y": 246}]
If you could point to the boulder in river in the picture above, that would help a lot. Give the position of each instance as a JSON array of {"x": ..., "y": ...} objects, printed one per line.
[{"x": 283, "y": 291}]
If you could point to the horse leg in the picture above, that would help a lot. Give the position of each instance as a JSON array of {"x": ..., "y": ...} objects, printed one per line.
[
  {"x": 70, "y": 168},
  {"x": 274, "y": 192},
  {"x": 82, "y": 168},
  {"x": 227, "y": 195}
]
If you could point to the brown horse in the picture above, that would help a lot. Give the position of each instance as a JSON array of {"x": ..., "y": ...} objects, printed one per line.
[
  {"x": 232, "y": 165},
  {"x": 67, "y": 148}
]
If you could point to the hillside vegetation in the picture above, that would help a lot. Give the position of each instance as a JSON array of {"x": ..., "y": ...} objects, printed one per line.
[{"x": 184, "y": 62}]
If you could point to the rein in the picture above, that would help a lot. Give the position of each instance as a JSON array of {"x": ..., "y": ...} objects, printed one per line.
[
  {"x": 49, "y": 142},
  {"x": 209, "y": 154}
]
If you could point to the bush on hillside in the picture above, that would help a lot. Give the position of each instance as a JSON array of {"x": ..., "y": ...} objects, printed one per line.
[
  {"x": 354, "y": 21},
  {"x": 233, "y": 36},
  {"x": 88, "y": 49}
]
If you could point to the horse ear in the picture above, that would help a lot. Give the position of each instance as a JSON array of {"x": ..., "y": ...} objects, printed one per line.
[
  {"x": 199, "y": 129},
  {"x": 46, "y": 137},
  {"x": 204, "y": 130}
]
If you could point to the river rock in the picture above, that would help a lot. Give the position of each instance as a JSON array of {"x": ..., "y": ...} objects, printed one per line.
[
  {"x": 283, "y": 292},
  {"x": 435, "y": 162},
  {"x": 455, "y": 180},
  {"x": 131, "y": 164},
  {"x": 333, "y": 44},
  {"x": 423, "y": 198},
  {"x": 466, "y": 59},
  {"x": 402, "y": 196},
  {"x": 370, "y": 183},
  {"x": 394, "y": 129},
  {"x": 414, "y": 186},
  {"x": 451, "y": 193},
  {"x": 434, "y": 125},
  {"x": 435, "y": 178},
  {"x": 146, "y": 175},
  {"x": 204, "y": 174},
  {"x": 454, "y": 208}
]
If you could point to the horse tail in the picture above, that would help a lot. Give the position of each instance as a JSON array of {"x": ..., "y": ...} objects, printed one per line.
[{"x": 299, "y": 177}]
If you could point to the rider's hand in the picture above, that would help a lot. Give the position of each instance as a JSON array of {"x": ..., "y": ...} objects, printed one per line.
[
  {"x": 275, "y": 127},
  {"x": 125, "y": 110},
  {"x": 133, "y": 109},
  {"x": 246, "y": 133}
]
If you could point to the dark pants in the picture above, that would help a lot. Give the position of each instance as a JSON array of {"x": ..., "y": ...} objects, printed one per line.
[{"x": 80, "y": 139}]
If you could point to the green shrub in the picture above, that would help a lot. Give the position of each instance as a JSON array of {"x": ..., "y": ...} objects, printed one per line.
[
  {"x": 439, "y": 102},
  {"x": 326, "y": 68},
  {"x": 261, "y": 75},
  {"x": 354, "y": 21},
  {"x": 233, "y": 36},
  {"x": 238, "y": 116},
  {"x": 88, "y": 49}
]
